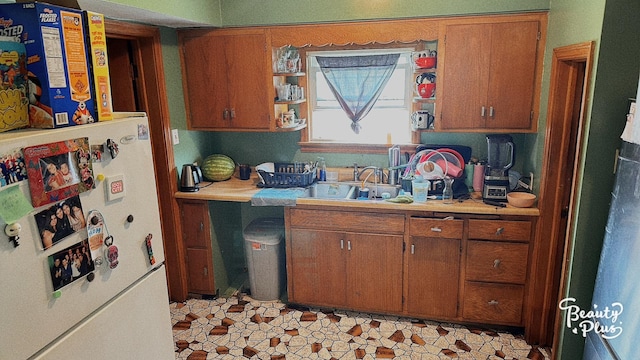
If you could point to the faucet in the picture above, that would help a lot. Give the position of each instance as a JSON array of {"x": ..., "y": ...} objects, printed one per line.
[{"x": 378, "y": 174}]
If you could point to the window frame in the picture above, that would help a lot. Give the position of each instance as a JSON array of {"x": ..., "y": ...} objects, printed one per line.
[{"x": 306, "y": 145}]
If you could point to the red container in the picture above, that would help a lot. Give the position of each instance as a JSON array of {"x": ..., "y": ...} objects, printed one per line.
[
  {"x": 426, "y": 90},
  {"x": 425, "y": 62}
]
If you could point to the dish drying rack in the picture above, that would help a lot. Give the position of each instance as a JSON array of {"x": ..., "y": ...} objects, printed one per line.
[{"x": 288, "y": 175}]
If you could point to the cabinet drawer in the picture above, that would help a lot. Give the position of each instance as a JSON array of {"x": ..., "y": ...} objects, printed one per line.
[
  {"x": 499, "y": 230},
  {"x": 497, "y": 262},
  {"x": 348, "y": 221},
  {"x": 436, "y": 228},
  {"x": 493, "y": 303}
]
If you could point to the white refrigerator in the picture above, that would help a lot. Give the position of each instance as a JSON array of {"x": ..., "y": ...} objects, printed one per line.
[{"x": 84, "y": 277}]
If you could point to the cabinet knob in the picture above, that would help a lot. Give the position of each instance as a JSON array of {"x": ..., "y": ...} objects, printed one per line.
[
  {"x": 130, "y": 218},
  {"x": 493, "y": 302},
  {"x": 496, "y": 263},
  {"x": 499, "y": 231}
]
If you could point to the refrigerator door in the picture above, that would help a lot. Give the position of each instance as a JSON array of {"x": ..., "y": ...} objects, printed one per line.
[
  {"x": 617, "y": 279},
  {"x": 149, "y": 327},
  {"x": 32, "y": 317}
]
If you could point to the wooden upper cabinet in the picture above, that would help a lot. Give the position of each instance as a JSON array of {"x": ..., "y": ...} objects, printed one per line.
[
  {"x": 227, "y": 79},
  {"x": 489, "y": 76}
]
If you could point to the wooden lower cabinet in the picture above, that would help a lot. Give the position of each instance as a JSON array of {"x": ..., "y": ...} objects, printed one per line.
[
  {"x": 196, "y": 235},
  {"x": 448, "y": 267},
  {"x": 433, "y": 266},
  {"x": 346, "y": 270},
  {"x": 496, "y": 271}
]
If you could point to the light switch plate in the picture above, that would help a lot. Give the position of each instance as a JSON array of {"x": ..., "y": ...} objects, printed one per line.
[{"x": 175, "y": 137}]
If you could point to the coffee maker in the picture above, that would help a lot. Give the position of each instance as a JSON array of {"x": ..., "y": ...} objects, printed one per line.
[{"x": 501, "y": 155}]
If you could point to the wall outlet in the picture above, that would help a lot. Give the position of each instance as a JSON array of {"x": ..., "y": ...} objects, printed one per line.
[{"x": 174, "y": 136}]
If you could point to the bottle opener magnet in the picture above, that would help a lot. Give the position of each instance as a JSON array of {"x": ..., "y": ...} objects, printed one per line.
[{"x": 111, "y": 252}]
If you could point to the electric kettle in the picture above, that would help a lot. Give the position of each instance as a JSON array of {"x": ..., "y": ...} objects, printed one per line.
[{"x": 190, "y": 178}]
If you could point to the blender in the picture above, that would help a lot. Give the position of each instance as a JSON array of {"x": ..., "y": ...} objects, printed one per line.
[{"x": 501, "y": 155}]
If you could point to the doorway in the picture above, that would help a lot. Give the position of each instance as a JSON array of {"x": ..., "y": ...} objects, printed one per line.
[
  {"x": 139, "y": 85},
  {"x": 568, "y": 94}
]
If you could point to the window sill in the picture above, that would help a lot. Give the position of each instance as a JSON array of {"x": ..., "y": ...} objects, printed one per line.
[{"x": 331, "y": 147}]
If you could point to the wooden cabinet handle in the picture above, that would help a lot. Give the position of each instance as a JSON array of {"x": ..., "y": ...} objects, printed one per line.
[
  {"x": 496, "y": 263},
  {"x": 493, "y": 302},
  {"x": 499, "y": 231},
  {"x": 436, "y": 229}
]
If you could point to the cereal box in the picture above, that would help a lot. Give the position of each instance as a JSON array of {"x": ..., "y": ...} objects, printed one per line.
[
  {"x": 14, "y": 104},
  {"x": 60, "y": 88},
  {"x": 99, "y": 65}
]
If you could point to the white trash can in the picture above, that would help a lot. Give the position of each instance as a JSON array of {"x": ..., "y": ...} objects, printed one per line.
[{"x": 264, "y": 249}]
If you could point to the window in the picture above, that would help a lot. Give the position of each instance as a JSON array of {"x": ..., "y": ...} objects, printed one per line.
[{"x": 388, "y": 121}]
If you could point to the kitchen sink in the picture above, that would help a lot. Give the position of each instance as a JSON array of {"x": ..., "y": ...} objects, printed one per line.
[
  {"x": 332, "y": 191},
  {"x": 345, "y": 190}
]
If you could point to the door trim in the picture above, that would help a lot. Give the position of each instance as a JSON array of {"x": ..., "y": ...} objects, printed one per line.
[
  {"x": 565, "y": 124},
  {"x": 153, "y": 100}
]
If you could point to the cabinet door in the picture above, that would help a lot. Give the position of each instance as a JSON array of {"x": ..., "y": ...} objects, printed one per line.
[
  {"x": 249, "y": 81},
  {"x": 318, "y": 267},
  {"x": 488, "y": 79},
  {"x": 195, "y": 224},
  {"x": 205, "y": 79},
  {"x": 433, "y": 273},
  {"x": 512, "y": 75},
  {"x": 374, "y": 272},
  {"x": 465, "y": 76},
  {"x": 200, "y": 271},
  {"x": 197, "y": 243}
]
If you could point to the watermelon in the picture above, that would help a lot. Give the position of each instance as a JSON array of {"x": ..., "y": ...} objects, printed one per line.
[{"x": 218, "y": 167}]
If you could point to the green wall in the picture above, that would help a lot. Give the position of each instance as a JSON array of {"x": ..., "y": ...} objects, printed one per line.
[
  {"x": 261, "y": 12},
  {"x": 614, "y": 27},
  {"x": 202, "y": 11}
]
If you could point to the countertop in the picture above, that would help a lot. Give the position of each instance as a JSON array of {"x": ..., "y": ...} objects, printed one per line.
[{"x": 237, "y": 190}]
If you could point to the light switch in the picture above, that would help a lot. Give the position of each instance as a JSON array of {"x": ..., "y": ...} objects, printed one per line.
[{"x": 175, "y": 137}]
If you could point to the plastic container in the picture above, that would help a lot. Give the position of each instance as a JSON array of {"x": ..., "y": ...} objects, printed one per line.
[
  {"x": 420, "y": 190},
  {"x": 264, "y": 250}
]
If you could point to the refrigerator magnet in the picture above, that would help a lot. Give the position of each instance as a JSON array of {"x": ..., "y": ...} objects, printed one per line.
[{"x": 58, "y": 170}]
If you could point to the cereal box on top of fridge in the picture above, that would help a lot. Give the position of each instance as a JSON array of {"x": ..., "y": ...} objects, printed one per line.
[
  {"x": 14, "y": 102},
  {"x": 57, "y": 62},
  {"x": 99, "y": 65}
]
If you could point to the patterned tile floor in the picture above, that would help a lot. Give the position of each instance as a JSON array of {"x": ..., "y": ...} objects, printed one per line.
[{"x": 229, "y": 328}]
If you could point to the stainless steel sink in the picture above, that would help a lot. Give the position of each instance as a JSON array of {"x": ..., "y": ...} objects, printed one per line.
[
  {"x": 376, "y": 191},
  {"x": 347, "y": 190},
  {"x": 332, "y": 191}
]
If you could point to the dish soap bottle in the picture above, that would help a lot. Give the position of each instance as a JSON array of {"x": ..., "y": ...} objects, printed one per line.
[{"x": 322, "y": 173}]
